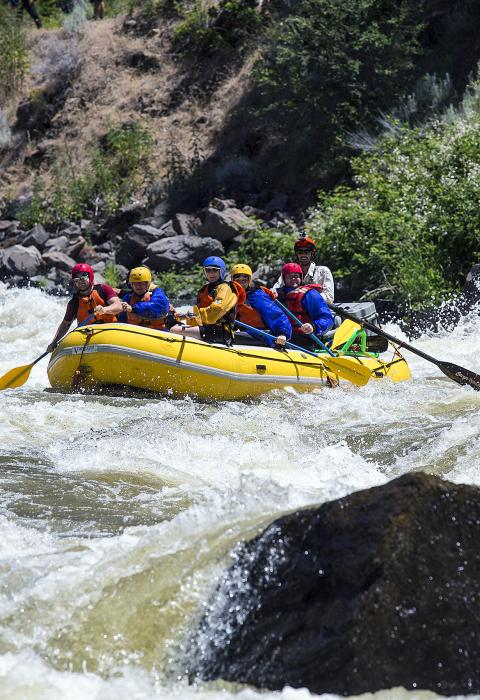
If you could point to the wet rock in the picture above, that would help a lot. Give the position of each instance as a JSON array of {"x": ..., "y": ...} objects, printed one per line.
[
  {"x": 376, "y": 590},
  {"x": 36, "y": 236},
  {"x": 224, "y": 225},
  {"x": 180, "y": 252},
  {"x": 20, "y": 260},
  {"x": 58, "y": 260},
  {"x": 471, "y": 289}
]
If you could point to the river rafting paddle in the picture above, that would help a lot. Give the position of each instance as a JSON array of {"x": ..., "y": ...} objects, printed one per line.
[
  {"x": 454, "y": 372},
  {"x": 17, "y": 376},
  {"x": 298, "y": 323},
  {"x": 345, "y": 367}
]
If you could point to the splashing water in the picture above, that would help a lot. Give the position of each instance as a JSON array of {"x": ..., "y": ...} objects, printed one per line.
[{"x": 119, "y": 516}]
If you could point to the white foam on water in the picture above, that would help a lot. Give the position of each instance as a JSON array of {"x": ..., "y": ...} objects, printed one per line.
[{"x": 112, "y": 601}]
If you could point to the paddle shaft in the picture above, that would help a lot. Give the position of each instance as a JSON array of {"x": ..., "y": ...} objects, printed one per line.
[
  {"x": 378, "y": 331},
  {"x": 263, "y": 334},
  {"x": 458, "y": 374},
  {"x": 299, "y": 323}
]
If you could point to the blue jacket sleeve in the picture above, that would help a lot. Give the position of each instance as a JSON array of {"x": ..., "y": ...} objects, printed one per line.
[
  {"x": 157, "y": 307},
  {"x": 272, "y": 315},
  {"x": 316, "y": 307}
]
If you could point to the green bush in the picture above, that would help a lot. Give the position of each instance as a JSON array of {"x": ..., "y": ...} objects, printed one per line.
[
  {"x": 328, "y": 69},
  {"x": 118, "y": 169},
  {"x": 411, "y": 222},
  {"x": 207, "y": 29},
  {"x": 14, "y": 63}
]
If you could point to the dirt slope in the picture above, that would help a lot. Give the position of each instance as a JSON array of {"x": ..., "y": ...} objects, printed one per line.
[{"x": 103, "y": 75}]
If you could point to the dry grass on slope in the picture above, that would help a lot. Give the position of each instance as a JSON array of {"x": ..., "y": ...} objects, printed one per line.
[{"x": 103, "y": 76}]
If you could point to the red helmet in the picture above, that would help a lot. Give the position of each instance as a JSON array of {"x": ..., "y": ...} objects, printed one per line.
[
  {"x": 291, "y": 268},
  {"x": 305, "y": 242},
  {"x": 82, "y": 267}
]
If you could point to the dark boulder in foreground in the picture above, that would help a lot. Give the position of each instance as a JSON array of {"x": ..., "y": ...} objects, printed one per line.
[{"x": 376, "y": 590}]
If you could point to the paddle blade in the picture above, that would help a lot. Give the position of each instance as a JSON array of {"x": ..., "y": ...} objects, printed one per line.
[
  {"x": 397, "y": 370},
  {"x": 460, "y": 374},
  {"x": 348, "y": 368},
  {"x": 343, "y": 333},
  {"x": 15, "y": 377}
]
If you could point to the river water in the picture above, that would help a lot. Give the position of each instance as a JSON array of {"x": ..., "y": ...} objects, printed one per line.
[{"x": 118, "y": 516}]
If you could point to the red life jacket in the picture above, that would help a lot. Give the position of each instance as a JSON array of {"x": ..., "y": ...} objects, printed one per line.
[
  {"x": 206, "y": 298},
  {"x": 132, "y": 317},
  {"x": 293, "y": 302},
  {"x": 247, "y": 314},
  {"x": 84, "y": 306}
]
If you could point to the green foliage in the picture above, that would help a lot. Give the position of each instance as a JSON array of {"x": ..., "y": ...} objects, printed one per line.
[
  {"x": 118, "y": 169},
  {"x": 411, "y": 222},
  {"x": 14, "y": 63},
  {"x": 329, "y": 68},
  {"x": 207, "y": 29},
  {"x": 111, "y": 275},
  {"x": 181, "y": 284},
  {"x": 264, "y": 246}
]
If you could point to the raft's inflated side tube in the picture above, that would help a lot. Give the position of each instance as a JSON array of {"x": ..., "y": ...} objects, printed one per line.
[{"x": 119, "y": 354}]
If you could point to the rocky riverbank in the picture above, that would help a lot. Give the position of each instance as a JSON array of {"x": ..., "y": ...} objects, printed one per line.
[{"x": 44, "y": 257}]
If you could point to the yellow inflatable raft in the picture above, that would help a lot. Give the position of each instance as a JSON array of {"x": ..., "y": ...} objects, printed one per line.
[{"x": 117, "y": 354}]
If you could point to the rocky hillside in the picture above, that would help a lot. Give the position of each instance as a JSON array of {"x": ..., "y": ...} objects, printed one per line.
[{"x": 181, "y": 114}]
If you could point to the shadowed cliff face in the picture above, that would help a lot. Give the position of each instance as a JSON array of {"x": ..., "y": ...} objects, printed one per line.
[{"x": 376, "y": 590}]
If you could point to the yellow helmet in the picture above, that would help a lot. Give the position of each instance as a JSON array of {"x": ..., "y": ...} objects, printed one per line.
[
  {"x": 140, "y": 274},
  {"x": 241, "y": 269}
]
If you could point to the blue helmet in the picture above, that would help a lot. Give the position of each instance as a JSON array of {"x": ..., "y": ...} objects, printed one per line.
[{"x": 215, "y": 261}]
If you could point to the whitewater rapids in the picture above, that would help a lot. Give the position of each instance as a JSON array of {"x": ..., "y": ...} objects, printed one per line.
[{"x": 118, "y": 515}]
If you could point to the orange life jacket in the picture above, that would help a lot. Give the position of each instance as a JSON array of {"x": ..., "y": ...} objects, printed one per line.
[
  {"x": 156, "y": 323},
  {"x": 86, "y": 305},
  {"x": 293, "y": 302},
  {"x": 205, "y": 298},
  {"x": 247, "y": 314}
]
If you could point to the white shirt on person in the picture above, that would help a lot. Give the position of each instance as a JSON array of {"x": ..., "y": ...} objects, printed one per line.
[{"x": 316, "y": 274}]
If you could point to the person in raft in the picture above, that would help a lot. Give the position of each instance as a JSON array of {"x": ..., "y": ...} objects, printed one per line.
[
  {"x": 308, "y": 305},
  {"x": 216, "y": 304},
  {"x": 89, "y": 299},
  {"x": 146, "y": 305},
  {"x": 259, "y": 310},
  {"x": 305, "y": 249}
]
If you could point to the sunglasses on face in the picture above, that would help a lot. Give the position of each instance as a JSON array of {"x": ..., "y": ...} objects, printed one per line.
[
  {"x": 81, "y": 276},
  {"x": 241, "y": 277}
]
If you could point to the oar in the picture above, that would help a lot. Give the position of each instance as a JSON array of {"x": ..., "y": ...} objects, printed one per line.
[
  {"x": 454, "y": 372},
  {"x": 345, "y": 367},
  {"x": 17, "y": 376},
  {"x": 299, "y": 323}
]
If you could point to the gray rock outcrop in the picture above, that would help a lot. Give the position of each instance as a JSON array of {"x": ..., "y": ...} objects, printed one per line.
[
  {"x": 224, "y": 225},
  {"x": 181, "y": 251},
  {"x": 18, "y": 260}
]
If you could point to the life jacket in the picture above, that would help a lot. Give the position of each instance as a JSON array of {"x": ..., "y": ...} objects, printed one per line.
[
  {"x": 205, "y": 297},
  {"x": 293, "y": 301},
  {"x": 132, "y": 317},
  {"x": 84, "y": 306},
  {"x": 247, "y": 314}
]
